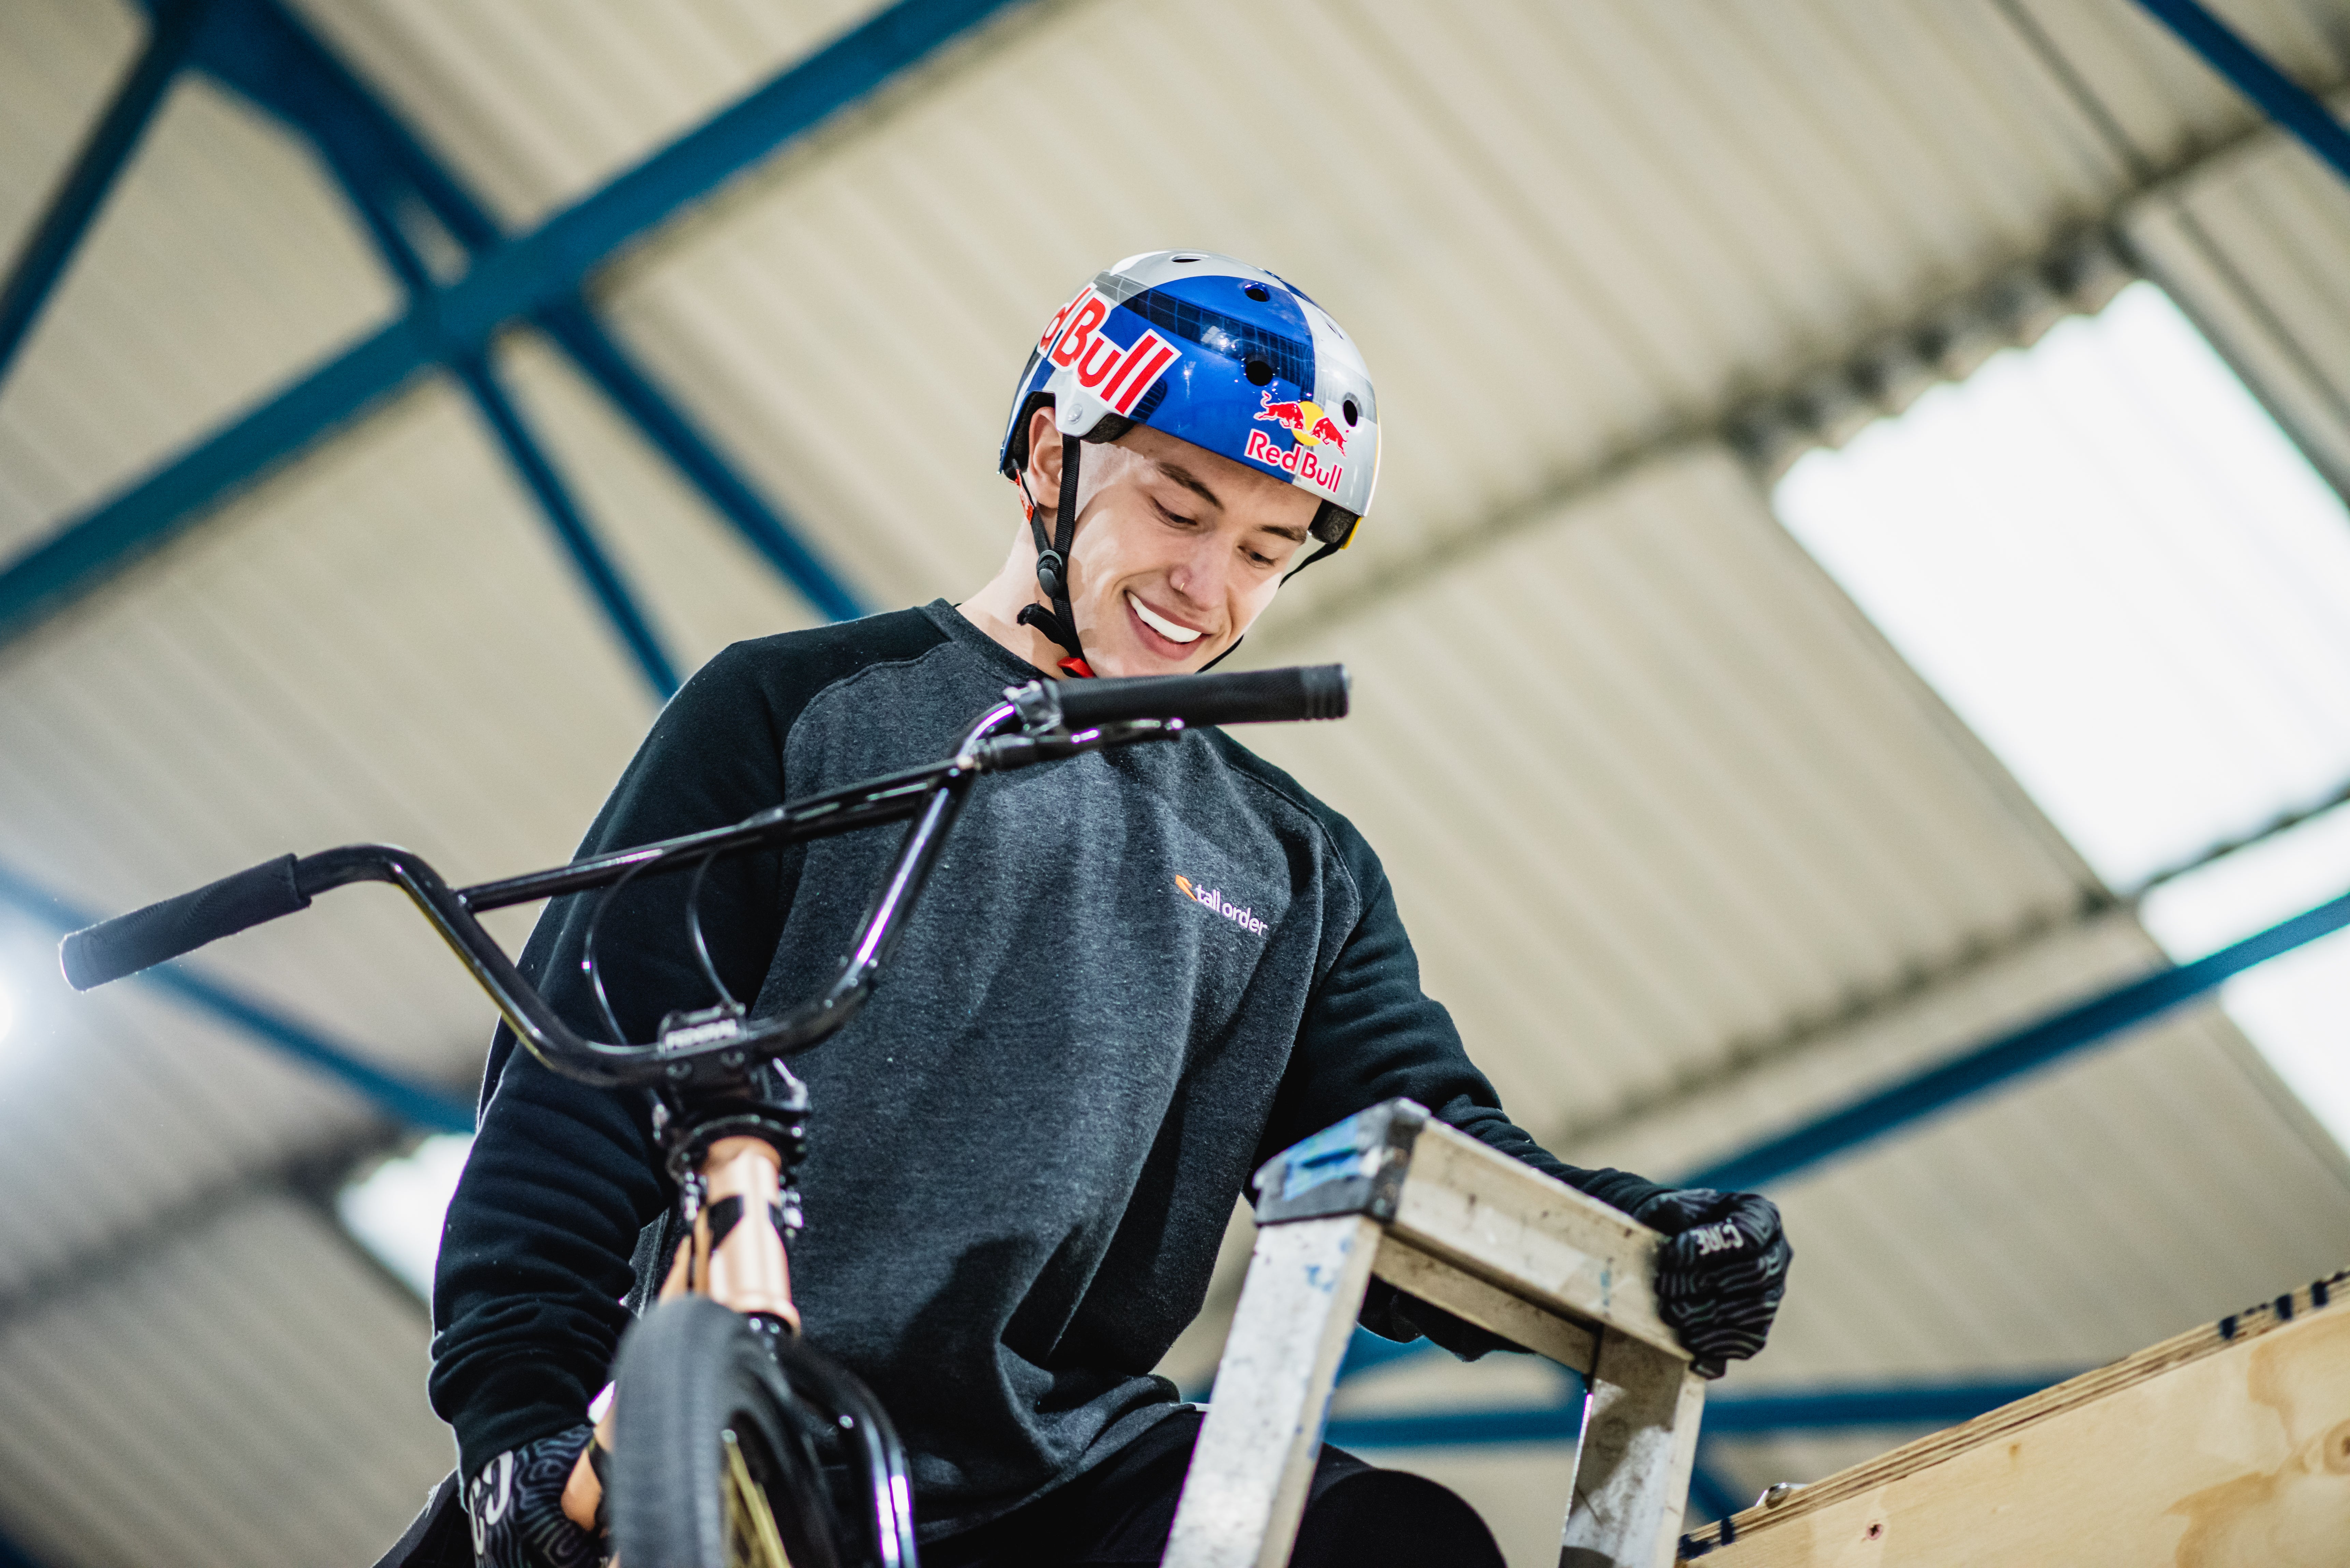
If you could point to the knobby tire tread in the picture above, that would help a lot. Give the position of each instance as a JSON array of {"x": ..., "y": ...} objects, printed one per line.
[{"x": 689, "y": 1370}]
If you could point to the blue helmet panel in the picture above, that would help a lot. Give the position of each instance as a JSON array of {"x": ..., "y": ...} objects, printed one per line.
[{"x": 1217, "y": 353}]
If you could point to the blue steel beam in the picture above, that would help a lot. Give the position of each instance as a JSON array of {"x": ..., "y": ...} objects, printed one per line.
[
  {"x": 418, "y": 1104},
  {"x": 1458, "y": 1428},
  {"x": 89, "y": 552},
  {"x": 2284, "y": 101},
  {"x": 1710, "y": 1490},
  {"x": 678, "y": 440},
  {"x": 261, "y": 51},
  {"x": 1971, "y": 1072},
  {"x": 1364, "y": 1353},
  {"x": 599, "y": 573},
  {"x": 547, "y": 266},
  {"x": 2034, "y": 1045},
  {"x": 1727, "y": 1414},
  {"x": 308, "y": 88},
  {"x": 595, "y": 569},
  {"x": 83, "y": 191},
  {"x": 1367, "y": 1351},
  {"x": 264, "y": 52},
  {"x": 1824, "y": 1409}
]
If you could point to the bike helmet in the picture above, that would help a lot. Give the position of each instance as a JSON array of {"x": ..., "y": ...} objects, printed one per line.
[{"x": 1211, "y": 351}]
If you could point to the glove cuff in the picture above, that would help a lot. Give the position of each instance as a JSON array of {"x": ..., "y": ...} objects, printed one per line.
[
  {"x": 1619, "y": 1190},
  {"x": 515, "y": 1504}
]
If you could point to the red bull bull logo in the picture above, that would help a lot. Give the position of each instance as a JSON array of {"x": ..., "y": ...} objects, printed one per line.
[
  {"x": 1075, "y": 341},
  {"x": 1291, "y": 417},
  {"x": 1304, "y": 421},
  {"x": 1311, "y": 427}
]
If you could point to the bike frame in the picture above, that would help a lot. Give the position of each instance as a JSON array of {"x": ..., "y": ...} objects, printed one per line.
[
  {"x": 730, "y": 1116},
  {"x": 732, "y": 1149}
]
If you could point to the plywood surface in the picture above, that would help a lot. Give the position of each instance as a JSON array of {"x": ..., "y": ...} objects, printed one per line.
[{"x": 2227, "y": 1447}]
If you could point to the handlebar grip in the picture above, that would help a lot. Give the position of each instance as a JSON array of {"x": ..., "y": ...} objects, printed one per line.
[
  {"x": 144, "y": 938},
  {"x": 1248, "y": 697}
]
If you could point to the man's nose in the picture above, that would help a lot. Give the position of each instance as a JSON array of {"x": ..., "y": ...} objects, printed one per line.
[{"x": 1199, "y": 577}]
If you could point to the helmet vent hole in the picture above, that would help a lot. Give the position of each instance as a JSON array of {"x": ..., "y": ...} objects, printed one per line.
[
  {"x": 1348, "y": 409},
  {"x": 1182, "y": 261},
  {"x": 1255, "y": 291},
  {"x": 1259, "y": 371}
]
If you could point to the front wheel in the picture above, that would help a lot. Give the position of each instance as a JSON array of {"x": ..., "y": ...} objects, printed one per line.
[{"x": 712, "y": 1463}]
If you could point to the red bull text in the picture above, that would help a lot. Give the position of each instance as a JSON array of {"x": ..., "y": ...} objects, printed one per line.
[
  {"x": 1074, "y": 341},
  {"x": 1297, "y": 460}
]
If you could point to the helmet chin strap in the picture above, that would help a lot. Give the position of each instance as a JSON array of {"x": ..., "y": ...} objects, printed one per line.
[
  {"x": 1060, "y": 622},
  {"x": 1323, "y": 549}
]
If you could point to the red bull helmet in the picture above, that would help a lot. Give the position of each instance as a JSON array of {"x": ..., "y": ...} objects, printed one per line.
[{"x": 1211, "y": 351}]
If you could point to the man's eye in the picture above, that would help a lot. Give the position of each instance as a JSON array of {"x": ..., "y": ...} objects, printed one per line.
[{"x": 1177, "y": 518}]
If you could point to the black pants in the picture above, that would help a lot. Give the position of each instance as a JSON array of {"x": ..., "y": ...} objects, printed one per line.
[{"x": 1120, "y": 1513}]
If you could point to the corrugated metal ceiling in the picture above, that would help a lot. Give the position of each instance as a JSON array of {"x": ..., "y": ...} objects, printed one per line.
[
  {"x": 539, "y": 101},
  {"x": 1572, "y": 241},
  {"x": 1650, "y": 790},
  {"x": 125, "y": 1107},
  {"x": 224, "y": 261},
  {"x": 162, "y": 1419},
  {"x": 2247, "y": 248},
  {"x": 1525, "y": 322}
]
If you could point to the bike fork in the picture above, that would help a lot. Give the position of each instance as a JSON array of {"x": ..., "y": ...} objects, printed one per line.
[{"x": 739, "y": 1205}]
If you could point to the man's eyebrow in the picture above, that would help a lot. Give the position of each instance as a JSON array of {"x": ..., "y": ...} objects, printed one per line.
[
  {"x": 1295, "y": 536},
  {"x": 1192, "y": 482}
]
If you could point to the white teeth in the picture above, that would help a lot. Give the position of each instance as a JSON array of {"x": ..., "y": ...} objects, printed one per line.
[{"x": 1161, "y": 624}]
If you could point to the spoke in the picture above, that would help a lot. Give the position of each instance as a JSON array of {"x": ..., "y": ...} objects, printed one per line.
[{"x": 752, "y": 1539}]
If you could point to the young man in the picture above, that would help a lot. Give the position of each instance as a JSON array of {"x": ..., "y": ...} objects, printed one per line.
[{"x": 1024, "y": 1151}]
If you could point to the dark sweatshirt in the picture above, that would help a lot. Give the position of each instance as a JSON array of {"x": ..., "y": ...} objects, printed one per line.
[{"x": 1133, "y": 978}]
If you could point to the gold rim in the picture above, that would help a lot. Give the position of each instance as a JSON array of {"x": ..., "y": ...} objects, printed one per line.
[{"x": 752, "y": 1540}]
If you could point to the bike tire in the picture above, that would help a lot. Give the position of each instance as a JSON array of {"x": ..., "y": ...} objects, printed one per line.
[{"x": 700, "y": 1409}]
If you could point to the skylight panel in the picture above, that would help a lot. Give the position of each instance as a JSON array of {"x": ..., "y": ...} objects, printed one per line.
[
  {"x": 395, "y": 1210},
  {"x": 2296, "y": 1007},
  {"x": 2117, "y": 569}
]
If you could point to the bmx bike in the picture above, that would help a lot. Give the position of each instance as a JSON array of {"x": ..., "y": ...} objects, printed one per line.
[{"x": 730, "y": 1442}]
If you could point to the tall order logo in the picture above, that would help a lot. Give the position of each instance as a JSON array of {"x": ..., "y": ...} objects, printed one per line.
[
  {"x": 1075, "y": 341},
  {"x": 1216, "y": 903}
]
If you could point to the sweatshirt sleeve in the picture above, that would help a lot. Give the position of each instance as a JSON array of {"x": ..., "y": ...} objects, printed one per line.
[
  {"x": 536, "y": 1252},
  {"x": 1371, "y": 1034}
]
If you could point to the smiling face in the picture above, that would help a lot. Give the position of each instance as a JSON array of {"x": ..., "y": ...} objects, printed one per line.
[{"x": 1177, "y": 551}]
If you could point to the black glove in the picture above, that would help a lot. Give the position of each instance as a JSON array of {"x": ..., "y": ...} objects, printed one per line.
[
  {"x": 516, "y": 1507},
  {"x": 1721, "y": 1270}
]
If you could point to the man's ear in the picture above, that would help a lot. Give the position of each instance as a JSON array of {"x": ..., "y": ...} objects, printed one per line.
[{"x": 1044, "y": 459}]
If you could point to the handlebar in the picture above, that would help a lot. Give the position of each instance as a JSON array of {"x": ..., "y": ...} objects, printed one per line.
[
  {"x": 1250, "y": 697},
  {"x": 144, "y": 938},
  {"x": 1060, "y": 718}
]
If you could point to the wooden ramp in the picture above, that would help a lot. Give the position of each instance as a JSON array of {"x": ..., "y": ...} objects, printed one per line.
[{"x": 2228, "y": 1447}]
